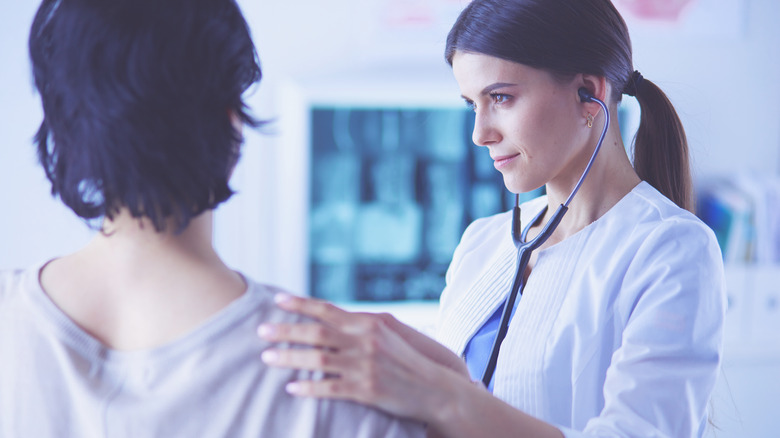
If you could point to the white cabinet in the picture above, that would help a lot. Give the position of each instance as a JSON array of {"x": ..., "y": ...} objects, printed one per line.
[
  {"x": 753, "y": 316},
  {"x": 744, "y": 403},
  {"x": 765, "y": 318}
]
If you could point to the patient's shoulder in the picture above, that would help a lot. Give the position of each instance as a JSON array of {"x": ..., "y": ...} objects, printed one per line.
[{"x": 263, "y": 295}]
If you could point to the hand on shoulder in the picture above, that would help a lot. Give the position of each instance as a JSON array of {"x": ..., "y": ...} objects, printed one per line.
[{"x": 369, "y": 358}]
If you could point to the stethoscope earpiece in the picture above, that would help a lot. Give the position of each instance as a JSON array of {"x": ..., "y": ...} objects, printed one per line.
[{"x": 585, "y": 95}]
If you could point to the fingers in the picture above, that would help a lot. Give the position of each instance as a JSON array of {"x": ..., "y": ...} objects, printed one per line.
[
  {"x": 313, "y": 334},
  {"x": 317, "y": 309},
  {"x": 332, "y": 388},
  {"x": 348, "y": 323},
  {"x": 424, "y": 344},
  {"x": 305, "y": 359},
  {"x": 336, "y": 387},
  {"x": 345, "y": 330}
]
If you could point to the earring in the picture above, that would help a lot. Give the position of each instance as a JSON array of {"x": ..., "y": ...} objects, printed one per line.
[{"x": 590, "y": 120}]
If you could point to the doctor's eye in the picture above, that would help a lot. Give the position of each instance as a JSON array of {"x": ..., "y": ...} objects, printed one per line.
[
  {"x": 499, "y": 98},
  {"x": 470, "y": 104}
]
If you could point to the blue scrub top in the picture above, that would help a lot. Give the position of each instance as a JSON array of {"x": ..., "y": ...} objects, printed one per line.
[
  {"x": 477, "y": 352},
  {"x": 478, "y": 349}
]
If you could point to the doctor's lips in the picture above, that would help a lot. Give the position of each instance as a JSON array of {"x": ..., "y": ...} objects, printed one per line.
[{"x": 503, "y": 160}]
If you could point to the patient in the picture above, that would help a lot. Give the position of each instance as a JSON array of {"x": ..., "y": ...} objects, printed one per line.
[{"x": 145, "y": 332}]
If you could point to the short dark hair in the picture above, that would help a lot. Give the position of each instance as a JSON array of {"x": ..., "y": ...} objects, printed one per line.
[
  {"x": 139, "y": 98},
  {"x": 566, "y": 37}
]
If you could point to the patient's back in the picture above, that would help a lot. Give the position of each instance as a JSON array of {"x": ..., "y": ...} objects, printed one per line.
[{"x": 58, "y": 381}]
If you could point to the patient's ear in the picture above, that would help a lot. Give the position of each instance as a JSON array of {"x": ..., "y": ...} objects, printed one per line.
[
  {"x": 238, "y": 128},
  {"x": 235, "y": 120}
]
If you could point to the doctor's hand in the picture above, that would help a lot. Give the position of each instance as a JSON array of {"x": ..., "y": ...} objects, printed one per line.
[{"x": 369, "y": 358}]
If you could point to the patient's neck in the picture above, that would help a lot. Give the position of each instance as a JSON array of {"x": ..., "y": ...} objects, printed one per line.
[
  {"x": 132, "y": 287},
  {"x": 135, "y": 241}
]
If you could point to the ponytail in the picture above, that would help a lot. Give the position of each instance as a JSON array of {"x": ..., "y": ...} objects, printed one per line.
[{"x": 661, "y": 148}]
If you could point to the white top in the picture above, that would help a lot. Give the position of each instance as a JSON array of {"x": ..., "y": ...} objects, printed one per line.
[
  {"x": 619, "y": 330},
  {"x": 58, "y": 381}
]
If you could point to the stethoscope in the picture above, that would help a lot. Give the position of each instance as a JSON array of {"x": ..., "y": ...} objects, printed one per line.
[{"x": 524, "y": 249}]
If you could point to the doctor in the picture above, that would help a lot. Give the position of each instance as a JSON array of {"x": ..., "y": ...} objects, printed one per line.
[{"x": 618, "y": 330}]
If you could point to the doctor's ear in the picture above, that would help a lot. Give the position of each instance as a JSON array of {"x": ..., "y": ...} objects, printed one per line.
[{"x": 590, "y": 86}]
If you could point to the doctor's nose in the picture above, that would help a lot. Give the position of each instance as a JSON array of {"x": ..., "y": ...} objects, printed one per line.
[{"x": 484, "y": 133}]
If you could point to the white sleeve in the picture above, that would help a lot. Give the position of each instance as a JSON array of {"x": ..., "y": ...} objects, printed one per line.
[{"x": 672, "y": 303}]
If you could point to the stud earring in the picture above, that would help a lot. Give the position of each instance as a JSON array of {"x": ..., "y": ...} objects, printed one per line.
[{"x": 590, "y": 120}]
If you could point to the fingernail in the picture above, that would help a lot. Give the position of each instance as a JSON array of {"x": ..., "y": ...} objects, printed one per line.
[
  {"x": 282, "y": 298},
  {"x": 269, "y": 356},
  {"x": 266, "y": 331},
  {"x": 292, "y": 388}
]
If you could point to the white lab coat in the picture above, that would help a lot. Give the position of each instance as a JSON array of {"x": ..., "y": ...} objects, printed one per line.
[{"x": 619, "y": 330}]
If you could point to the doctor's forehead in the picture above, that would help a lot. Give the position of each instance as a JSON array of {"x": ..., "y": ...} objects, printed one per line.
[{"x": 475, "y": 71}]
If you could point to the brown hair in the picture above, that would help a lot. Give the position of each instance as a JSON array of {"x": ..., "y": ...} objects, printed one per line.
[
  {"x": 566, "y": 37},
  {"x": 661, "y": 148}
]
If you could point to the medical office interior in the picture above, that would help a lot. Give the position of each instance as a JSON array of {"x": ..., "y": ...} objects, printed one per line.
[{"x": 360, "y": 188}]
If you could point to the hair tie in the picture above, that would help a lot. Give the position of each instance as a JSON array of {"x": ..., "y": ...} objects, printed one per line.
[{"x": 633, "y": 84}]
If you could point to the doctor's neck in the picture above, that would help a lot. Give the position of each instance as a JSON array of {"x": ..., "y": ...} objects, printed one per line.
[{"x": 610, "y": 178}]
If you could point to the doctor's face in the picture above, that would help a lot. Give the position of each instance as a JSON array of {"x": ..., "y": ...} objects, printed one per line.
[{"x": 529, "y": 121}]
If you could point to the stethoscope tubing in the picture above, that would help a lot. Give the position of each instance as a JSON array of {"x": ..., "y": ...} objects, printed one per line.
[{"x": 524, "y": 251}]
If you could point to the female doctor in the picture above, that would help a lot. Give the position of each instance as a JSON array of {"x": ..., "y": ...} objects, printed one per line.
[{"x": 617, "y": 332}]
